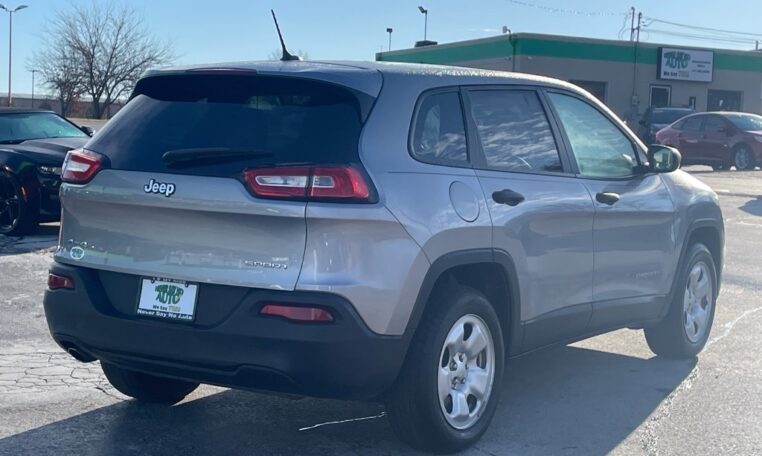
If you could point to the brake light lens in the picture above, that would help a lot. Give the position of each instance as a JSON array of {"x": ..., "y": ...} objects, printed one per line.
[
  {"x": 309, "y": 182},
  {"x": 57, "y": 282},
  {"x": 297, "y": 313},
  {"x": 80, "y": 166}
]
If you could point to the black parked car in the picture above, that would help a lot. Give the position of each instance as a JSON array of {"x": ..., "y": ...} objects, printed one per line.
[
  {"x": 33, "y": 145},
  {"x": 654, "y": 119}
]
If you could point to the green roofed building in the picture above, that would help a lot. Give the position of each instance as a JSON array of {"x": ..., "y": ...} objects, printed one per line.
[{"x": 628, "y": 77}]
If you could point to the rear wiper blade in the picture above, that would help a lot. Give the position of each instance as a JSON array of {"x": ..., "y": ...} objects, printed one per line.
[{"x": 215, "y": 154}]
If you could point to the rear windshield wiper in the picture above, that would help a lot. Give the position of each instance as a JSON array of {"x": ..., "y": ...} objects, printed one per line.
[{"x": 184, "y": 157}]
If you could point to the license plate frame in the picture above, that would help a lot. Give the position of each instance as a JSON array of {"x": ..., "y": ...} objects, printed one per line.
[{"x": 176, "y": 300}]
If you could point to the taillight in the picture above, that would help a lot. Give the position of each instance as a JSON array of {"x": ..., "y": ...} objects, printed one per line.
[
  {"x": 316, "y": 183},
  {"x": 80, "y": 166},
  {"x": 57, "y": 282},
  {"x": 297, "y": 313}
]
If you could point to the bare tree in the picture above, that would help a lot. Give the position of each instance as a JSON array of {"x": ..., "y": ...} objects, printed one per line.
[
  {"x": 55, "y": 64},
  {"x": 109, "y": 46}
]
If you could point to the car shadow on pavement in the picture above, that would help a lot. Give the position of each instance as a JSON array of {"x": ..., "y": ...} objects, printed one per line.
[
  {"x": 753, "y": 207},
  {"x": 565, "y": 400},
  {"x": 44, "y": 238}
]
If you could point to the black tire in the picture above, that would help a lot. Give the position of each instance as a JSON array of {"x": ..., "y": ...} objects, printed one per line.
[
  {"x": 18, "y": 216},
  {"x": 413, "y": 404},
  {"x": 147, "y": 388},
  {"x": 743, "y": 158},
  {"x": 670, "y": 338},
  {"x": 720, "y": 167}
]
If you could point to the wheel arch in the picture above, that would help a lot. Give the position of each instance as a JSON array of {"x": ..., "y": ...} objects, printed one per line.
[
  {"x": 711, "y": 233},
  {"x": 24, "y": 168},
  {"x": 489, "y": 271}
]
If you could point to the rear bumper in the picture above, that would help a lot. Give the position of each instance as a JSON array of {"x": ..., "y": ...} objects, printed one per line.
[{"x": 235, "y": 347}]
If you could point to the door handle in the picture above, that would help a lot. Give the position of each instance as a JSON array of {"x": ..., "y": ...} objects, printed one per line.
[
  {"x": 607, "y": 198},
  {"x": 508, "y": 197}
]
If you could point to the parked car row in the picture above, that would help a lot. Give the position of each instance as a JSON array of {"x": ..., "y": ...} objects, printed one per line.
[
  {"x": 718, "y": 139},
  {"x": 656, "y": 119},
  {"x": 33, "y": 144}
]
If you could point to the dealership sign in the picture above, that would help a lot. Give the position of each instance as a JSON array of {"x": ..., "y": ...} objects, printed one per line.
[{"x": 685, "y": 64}]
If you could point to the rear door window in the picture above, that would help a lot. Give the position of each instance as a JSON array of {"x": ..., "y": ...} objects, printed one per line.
[
  {"x": 714, "y": 124},
  {"x": 514, "y": 131},
  {"x": 281, "y": 120},
  {"x": 439, "y": 133},
  {"x": 691, "y": 124}
]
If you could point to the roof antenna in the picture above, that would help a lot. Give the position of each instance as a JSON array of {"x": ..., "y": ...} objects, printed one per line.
[{"x": 286, "y": 55}]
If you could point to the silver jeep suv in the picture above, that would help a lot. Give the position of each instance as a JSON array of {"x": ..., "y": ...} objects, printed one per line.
[{"x": 368, "y": 230}]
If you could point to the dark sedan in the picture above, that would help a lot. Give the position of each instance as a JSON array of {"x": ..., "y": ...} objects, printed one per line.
[
  {"x": 718, "y": 139},
  {"x": 655, "y": 119},
  {"x": 33, "y": 145}
]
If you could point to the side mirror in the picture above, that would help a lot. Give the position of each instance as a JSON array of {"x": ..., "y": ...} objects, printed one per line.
[
  {"x": 663, "y": 159},
  {"x": 88, "y": 130}
]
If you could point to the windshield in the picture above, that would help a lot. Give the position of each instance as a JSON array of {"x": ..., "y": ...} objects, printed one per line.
[
  {"x": 667, "y": 117},
  {"x": 19, "y": 127},
  {"x": 747, "y": 122}
]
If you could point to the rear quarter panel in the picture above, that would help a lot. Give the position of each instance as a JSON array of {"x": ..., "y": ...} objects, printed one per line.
[{"x": 418, "y": 196}]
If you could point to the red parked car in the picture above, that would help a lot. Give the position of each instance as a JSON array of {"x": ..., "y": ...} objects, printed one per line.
[{"x": 718, "y": 139}]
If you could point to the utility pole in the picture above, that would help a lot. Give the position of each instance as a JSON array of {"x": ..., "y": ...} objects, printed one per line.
[
  {"x": 632, "y": 23},
  {"x": 635, "y": 36},
  {"x": 389, "y": 30},
  {"x": 33, "y": 72},
  {"x": 640, "y": 24}
]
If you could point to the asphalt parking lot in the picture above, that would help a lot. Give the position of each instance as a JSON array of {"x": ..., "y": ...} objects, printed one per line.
[{"x": 605, "y": 395}]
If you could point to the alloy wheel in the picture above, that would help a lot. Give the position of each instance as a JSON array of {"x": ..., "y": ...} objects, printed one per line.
[
  {"x": 742, "y": 159},
  {"x": 466, "y": 372},
  {"x": 10, "y": 205}
]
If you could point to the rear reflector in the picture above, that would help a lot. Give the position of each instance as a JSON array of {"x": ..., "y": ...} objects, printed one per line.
[
  {"x": 57, "y": 282},
  {"x": 297, "y": 313},
  {"x": 80, "y": 166},
  {"x": 309, "y": 182}
]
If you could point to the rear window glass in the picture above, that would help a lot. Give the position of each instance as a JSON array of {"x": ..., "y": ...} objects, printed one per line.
[
  {"x": 668, "y": 116},
  {"x": 690, "y": 124},
  {"x": 287, "y": 120},
  {"x": 439, "y": 134}
]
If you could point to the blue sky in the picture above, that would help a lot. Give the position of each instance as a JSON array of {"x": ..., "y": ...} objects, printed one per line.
[{"x": 226, "y": 30}]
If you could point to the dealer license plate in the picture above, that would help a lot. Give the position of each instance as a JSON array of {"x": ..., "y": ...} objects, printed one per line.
[{"x": 168, "y": 299}]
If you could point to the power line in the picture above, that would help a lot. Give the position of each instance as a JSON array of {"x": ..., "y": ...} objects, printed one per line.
[
  {"x": 702, "y": 37},
  {"x": 706, "y": 29},
  {"x": 551, "y": 9}
]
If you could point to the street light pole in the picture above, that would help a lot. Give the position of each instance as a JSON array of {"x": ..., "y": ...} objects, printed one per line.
[
  {"x": 389, "y": 30},
  {"x": 425, "y": 13},
  {"x": 10, "y": 45}
]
